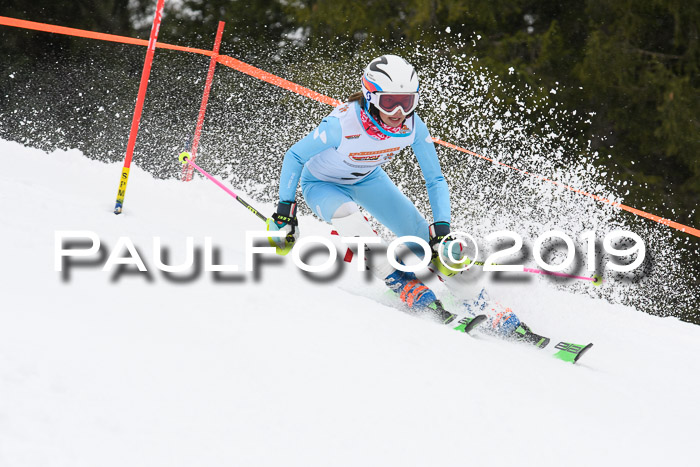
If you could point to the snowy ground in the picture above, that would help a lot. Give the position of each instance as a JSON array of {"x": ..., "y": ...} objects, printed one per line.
[{"x": 136, "y": 369}]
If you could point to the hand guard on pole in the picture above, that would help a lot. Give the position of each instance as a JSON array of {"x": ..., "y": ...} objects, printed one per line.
[
  {"x": 284, "y": 221},
  {"x": 447, "y": 253}
]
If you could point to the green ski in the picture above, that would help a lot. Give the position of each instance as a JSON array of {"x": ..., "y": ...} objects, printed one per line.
[
  {"x": 564, "y": 350},
  {"x": 468, "y": 323},
  {"x": 570, "y": 352},
  {"x": 465, "y": 324}
]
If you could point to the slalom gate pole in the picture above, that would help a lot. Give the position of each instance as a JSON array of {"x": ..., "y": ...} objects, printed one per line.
[
  {"x": 185, "y": 158},
  {"x": 145, "y": 74},
  {"x": 187, "y": 170}
]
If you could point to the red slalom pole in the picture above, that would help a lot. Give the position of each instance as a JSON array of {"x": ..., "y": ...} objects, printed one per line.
[
  {"x": 145, "y": 74},
  {"x": 188, "y": 170}
]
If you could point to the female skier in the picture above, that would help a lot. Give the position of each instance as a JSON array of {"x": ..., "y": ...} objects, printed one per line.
[{"x": 339, "y": 165}]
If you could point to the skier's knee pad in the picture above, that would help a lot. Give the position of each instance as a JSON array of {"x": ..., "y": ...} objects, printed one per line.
[{"x": 344, "y": 210}]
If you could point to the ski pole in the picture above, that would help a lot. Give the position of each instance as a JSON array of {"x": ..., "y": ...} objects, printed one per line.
[
  {"x": 596, "y": 279},
  {"x": 186, "y": 159}
]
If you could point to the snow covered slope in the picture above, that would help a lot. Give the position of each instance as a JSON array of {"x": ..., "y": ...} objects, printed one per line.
[{"x": 147, "y": 369}]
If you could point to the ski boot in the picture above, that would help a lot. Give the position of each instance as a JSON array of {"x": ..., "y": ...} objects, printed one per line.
[
  {"x": 410, "y": 290},
  {"x": 501, "y": 321},
  {"x": 418, "y": 297}
]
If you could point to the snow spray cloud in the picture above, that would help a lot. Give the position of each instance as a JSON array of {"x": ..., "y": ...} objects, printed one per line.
[
  {"x": 250, "y": 125},
  {"x": 460, "y": 104}
]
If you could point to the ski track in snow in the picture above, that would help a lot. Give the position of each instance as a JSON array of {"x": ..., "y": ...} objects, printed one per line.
[{"x": 282, "y": 370}]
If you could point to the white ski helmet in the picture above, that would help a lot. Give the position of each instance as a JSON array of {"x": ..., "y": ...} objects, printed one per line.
[{"x": 390, "y": 83}]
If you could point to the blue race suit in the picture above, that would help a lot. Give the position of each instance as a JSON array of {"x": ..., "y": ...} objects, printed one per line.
[{"x": 340, "y": 162}]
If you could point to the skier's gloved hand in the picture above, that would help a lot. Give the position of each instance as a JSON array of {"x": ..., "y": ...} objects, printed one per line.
[
  {"x": 449, "y": 253},
  {"x": 285, "y": 221}
]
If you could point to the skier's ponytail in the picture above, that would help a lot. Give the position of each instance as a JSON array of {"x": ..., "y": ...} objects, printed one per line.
[
  {"x": 360, "y": 98},
  {"x": 357, "y": 96}
]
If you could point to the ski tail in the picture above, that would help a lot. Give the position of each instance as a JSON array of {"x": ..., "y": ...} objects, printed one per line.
[
  {"x": 468, "y": 323},
  {"x": 465, "y": 324}
]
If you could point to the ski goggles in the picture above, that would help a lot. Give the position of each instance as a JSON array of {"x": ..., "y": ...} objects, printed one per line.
[{"x": 391, "y": 103}]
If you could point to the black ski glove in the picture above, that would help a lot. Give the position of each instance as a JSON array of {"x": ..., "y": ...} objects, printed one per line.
[{"x": 285, "y": 221}]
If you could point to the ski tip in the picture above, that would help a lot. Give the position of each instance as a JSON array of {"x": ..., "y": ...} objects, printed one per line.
[
  {"x": 570, "y": 352},
  {"x": 583, "y": 351},
  {"x": 597, "y": 279}
]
